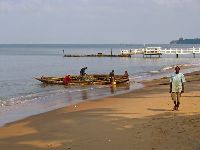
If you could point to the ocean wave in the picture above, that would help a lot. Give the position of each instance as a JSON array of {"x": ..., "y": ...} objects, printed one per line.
[
  {"x": 18, "y": 100},
  {"x": 41, "y": 96},
  {"x": 167, "y": 68},
  {"x": 140, "y": 77},
  {"x": 184, "y": 66},
  {"x": 154, "y": 71}
]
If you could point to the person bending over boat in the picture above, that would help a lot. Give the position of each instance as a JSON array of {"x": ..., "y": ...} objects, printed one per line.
[
  {"x": 82, "y": 72},
  {"x": 67, "y": 80}
]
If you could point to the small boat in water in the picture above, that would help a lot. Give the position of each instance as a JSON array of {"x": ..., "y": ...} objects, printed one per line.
[{"x": 93, "y": 79}]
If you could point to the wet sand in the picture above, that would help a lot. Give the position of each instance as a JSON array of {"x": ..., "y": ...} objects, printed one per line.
[{"x": 141, "y": 120}]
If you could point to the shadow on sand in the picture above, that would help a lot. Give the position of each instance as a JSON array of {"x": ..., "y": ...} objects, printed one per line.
[{"x": 102, "y": 129}]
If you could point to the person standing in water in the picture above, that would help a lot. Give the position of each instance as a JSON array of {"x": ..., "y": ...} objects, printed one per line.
[
  {"x": 112, "y": 76},
  {"x": 126, "y": 75},
  {"x": 177, "y": 81}
]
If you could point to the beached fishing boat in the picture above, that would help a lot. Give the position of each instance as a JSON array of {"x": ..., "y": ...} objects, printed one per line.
[{"x": 93, "y": 79}]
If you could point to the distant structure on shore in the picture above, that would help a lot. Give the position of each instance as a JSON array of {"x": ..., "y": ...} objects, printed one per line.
[{"x": 186, "y": 41}]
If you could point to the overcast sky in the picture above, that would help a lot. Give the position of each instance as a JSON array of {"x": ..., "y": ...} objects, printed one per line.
[{"x": 98, "y": 21}]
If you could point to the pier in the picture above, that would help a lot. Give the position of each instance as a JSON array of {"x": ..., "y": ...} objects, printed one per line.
[
  {"x": 146, "y": 52},
  {"x": 158, "y": 51},
  {"x": 99, "y": 55}
]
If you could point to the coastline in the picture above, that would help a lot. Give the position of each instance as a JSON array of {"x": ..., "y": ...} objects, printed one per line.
[{"x": 122, "y": 121}]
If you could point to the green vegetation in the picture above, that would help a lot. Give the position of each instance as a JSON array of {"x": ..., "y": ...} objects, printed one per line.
[{"x": 186, "y": 41}]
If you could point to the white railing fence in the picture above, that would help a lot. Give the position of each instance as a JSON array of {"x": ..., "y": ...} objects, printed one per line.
[{"x": 162, "y": 51}]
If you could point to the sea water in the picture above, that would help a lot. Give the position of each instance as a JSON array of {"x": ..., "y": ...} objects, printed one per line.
[{"x": 21, "y": 95}]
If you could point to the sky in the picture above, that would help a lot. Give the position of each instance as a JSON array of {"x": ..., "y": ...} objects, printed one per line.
[{"x": 98, "y": 21}]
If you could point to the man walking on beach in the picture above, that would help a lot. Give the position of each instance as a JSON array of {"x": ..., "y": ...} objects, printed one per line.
[{"x": 177, "y": 81}]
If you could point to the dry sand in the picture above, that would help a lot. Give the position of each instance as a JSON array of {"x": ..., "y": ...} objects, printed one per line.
[{"x": 140, "y": 120}]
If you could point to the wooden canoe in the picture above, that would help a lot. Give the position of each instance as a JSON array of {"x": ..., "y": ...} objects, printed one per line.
[{"x": 94, "y": 79}]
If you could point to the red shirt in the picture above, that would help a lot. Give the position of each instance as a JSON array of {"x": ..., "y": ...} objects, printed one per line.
[{"x": 67, "y": 79}]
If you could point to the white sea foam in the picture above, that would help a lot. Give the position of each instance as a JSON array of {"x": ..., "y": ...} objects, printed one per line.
[
  {"x": 154, "y": 71},
  {"x": 30, "y": 98},
  {"x": 167, "y": 68},
  {"x": 180, "y": 65}
]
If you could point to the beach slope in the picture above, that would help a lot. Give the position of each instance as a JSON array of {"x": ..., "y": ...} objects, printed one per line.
[{"x": 141, "y": 120}]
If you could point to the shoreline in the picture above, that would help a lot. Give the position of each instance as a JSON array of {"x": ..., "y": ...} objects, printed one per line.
[
  {"x": 47, "y": 101},
  {"x": 114, "y": 91},
  {"x": 120, "y": 122}
]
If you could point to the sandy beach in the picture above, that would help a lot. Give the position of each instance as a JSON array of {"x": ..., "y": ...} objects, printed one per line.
[{"x": 139, "y": 120}]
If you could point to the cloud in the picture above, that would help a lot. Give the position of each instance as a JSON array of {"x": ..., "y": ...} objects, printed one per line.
[
  {"x": 98, "y": 5},
  {"x": 29, "y": 5},
  {"x": 177, "y": 3},
  {"x": 98, "y": 20}
]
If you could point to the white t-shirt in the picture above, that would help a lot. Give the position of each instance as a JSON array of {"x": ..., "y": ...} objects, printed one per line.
[{"x": 177, "y": 81}]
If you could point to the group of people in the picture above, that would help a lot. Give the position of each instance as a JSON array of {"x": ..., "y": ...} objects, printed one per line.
[
  {"x": 177, "y": 81},
  {"x": 112, "y": 76},
  {"x": 67, "y": 78}
]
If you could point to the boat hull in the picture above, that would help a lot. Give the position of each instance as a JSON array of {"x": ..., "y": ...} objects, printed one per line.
[{"x": 76, "y": 80}]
